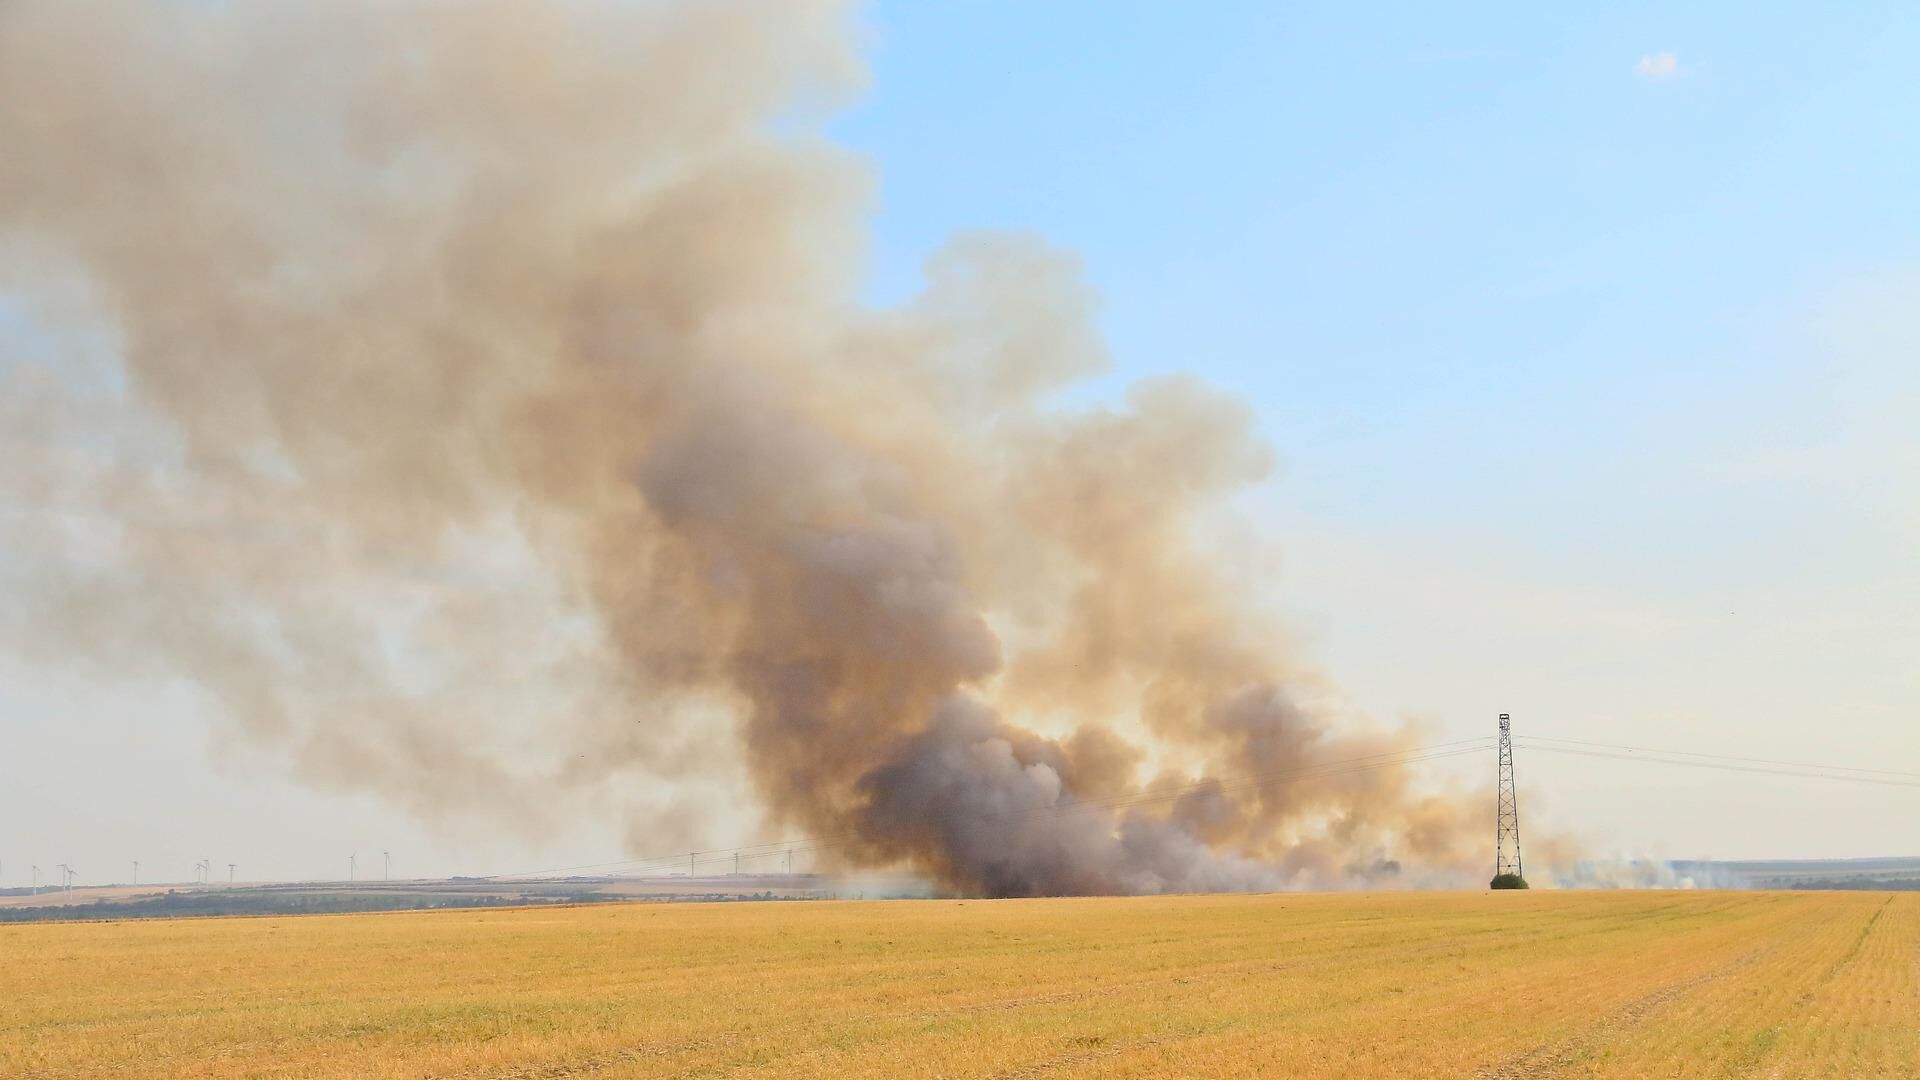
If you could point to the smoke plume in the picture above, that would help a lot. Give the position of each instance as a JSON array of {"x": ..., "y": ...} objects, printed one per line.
[{"x": 474, "y": 402}]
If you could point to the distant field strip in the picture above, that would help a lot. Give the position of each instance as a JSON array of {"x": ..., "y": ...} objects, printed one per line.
[{"x": 1497, "y": 986}]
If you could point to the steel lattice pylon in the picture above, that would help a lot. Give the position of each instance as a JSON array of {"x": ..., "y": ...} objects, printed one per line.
[{"x": 1506, "y": 840}]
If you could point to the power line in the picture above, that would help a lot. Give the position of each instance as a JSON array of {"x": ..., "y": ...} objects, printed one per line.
[
  {"x": 1652, "y": 756},
  {"x": 1718, "y": 757},
  {"x": 1236, "y": 783}
]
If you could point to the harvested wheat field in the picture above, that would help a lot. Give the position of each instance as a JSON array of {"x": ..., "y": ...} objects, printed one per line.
[{"x": 1625, "y": 984}]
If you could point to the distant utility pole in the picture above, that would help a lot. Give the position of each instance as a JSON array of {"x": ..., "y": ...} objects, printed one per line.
[{"x": 1506, "y": 840}]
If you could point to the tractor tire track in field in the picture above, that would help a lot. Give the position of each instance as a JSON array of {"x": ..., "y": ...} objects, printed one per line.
[
  {"x": 1551, "y": 1058},
  {"x": 1859, "y": 942},
  {"x": 1808, "y": 997}
]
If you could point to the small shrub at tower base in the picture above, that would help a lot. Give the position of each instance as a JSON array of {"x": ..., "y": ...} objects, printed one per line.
[{"x": 1508, "y": 881}]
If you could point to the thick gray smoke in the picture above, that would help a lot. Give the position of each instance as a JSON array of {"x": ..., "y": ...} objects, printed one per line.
[{"x": 473, "y": 401}]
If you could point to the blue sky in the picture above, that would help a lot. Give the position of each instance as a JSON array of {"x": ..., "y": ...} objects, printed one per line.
[
  {"x": 1483, "y": 246},
  {"x": 1587, "y": 341},
  {"x": 1367, "y": 216}
]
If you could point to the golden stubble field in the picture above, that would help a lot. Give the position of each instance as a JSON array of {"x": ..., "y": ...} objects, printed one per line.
[{"x": 1627, "y": 984}]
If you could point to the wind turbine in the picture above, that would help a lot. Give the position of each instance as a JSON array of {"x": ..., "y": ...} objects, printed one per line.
[
  {"x": 36, "y": 880},
  {"x": 230, "y": 867},
  {"x": 66, "y": 877},
  {"x": 136, "y": 871},
  {"x": 386, "y": 867},
  {"x": 351, "y": 859}
]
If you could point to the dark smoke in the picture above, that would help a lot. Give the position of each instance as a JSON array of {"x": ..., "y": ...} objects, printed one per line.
[{"x": 473, "y": 401}]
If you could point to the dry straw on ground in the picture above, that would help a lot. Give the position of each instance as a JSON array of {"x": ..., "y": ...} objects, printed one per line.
[{"x": 1631, "y": 984}]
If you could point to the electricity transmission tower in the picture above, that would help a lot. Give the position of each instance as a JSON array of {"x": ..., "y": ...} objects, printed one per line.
[{"x": 1506, "y": 840}]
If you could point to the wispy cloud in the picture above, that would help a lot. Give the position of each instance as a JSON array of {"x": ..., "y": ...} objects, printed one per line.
[{"x": 1663, "y": 65}]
